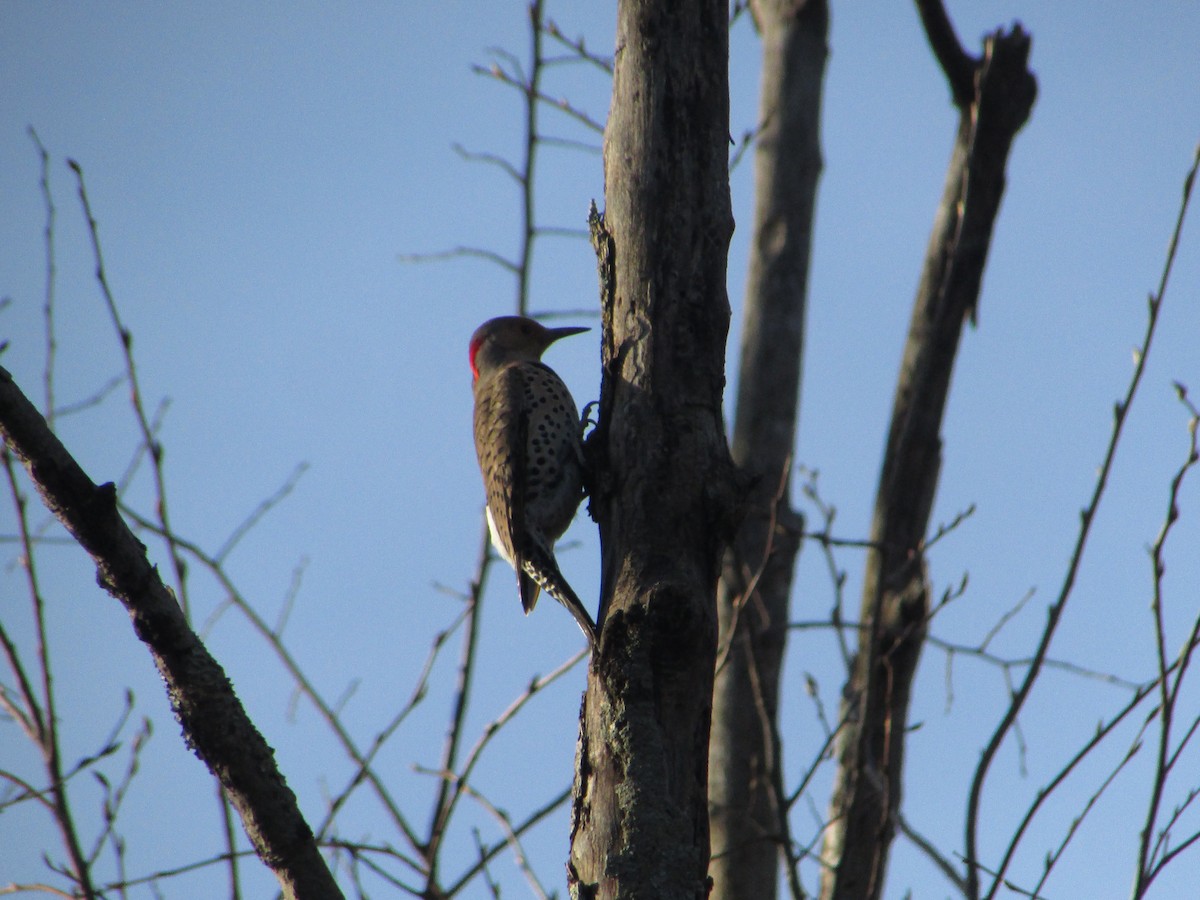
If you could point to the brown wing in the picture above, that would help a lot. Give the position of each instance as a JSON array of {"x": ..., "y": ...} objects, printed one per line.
[{"x": 501, "y": 433}]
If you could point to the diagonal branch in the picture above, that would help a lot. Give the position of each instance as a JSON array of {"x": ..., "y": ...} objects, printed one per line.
[
  {"x": 1121, "y": 412},
  {"x": 895, "y": 598},
  {"x": 149, "y": 439},
  {"x": 215, "y": 725}
]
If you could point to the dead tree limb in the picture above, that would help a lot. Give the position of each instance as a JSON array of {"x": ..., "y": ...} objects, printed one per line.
[
  {"x": 215, "y": 726},
  {"x": 993, "y": 105}
]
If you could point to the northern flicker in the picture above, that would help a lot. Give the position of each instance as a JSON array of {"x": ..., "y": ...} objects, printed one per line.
[{"x": 528, "y": 440}]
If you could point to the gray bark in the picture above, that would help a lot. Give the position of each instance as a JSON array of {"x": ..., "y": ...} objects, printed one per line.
[
  {"x": 661, "y": 475},
  {"x": 995, "y": 94},
  {"x": 748, "y": 816},
  {"x": 215, "y": 725}
]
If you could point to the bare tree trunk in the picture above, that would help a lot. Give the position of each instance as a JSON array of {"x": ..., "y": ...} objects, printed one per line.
[
  {"x": 662, "y": 478},
  {"x": 215, "y": 725},
  {"x": 748, "y": 816},
  {"x": 995, "y": 95}
]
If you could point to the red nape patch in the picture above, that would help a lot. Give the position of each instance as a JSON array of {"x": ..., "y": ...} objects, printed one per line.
[{"x": 475, "y": 342}]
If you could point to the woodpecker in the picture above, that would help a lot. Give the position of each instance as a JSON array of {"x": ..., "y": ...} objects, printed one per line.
[{"x": 528, "y": 439}]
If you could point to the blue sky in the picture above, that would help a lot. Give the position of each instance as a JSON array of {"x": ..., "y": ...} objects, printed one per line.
[{"x": 256, "y": 171}]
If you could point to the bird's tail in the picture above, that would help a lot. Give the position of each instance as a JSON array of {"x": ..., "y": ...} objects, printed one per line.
[{"x": 538, "y": 563}]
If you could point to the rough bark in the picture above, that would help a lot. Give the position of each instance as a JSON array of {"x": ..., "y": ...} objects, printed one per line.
[
  {"x": 995, "y": 94},
  {"x": 661, "y": 473},
  {"x": 215, "y": 726},
  {"x": 748, "y": 818}
]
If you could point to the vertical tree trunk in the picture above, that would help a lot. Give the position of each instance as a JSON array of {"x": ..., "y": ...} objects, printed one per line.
[
  {"x": 994, "y": 94},
  {"x": 661, "y": 489},
  {"x": 748, "y": 819}
]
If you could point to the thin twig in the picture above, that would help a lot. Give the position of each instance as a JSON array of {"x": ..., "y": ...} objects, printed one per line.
[
  {"x": 579, "y": 50},
  {"x": 1168, "y": 690},
  {"x": 931, "y": 852},
  {"x": 561, "y": 104},
  {"x": 837, "y": 575},
  {"x": 531, "y": 89},
  {"x": 26, "y": 792},
  {"x": 114, "y": 797},
  {"x": 1054, "y": 856},
  {"x": 303, "y": 684},
  {"x": 47, "y": 716},
  {"x": 510, "y": 838},
  {"x": 229, "y": 836},
  {"x": 749, "y": 579},
  {"x": 163, "y": 874},
  {"x": 135, "y": 393},
  {"x": 459, "y": 253},
  {"x": 491, "y": 159},
  {"x": 34, "y": 887},
  {"x": 94, "y": 399},
  {"x": 1087, "y": 516},
  {"x": 48, "y": 304},
  {"x": 549, "y": 140},
  {"x": 419, "y": 692},
  {"x": 532, "y": 819},
  {"x": 461, "y": 778},
  {"x": 443, "y": 806},
  {"x": 264, "y": 507}
]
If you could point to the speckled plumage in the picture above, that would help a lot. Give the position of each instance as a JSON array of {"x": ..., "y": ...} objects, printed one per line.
[{"x": 528, "y": 442}]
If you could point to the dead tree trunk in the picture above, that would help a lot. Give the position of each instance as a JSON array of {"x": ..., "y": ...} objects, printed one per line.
[
  {"x": 661, "y": 472},
  {"x": 748, "y": 816},
  {"x": 994, "y": 95}
]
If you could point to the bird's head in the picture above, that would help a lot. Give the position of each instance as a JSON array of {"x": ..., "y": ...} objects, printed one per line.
[{"x": 507, "y": 339}]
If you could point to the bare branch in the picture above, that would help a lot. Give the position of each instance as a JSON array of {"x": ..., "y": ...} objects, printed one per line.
[
  {"x": 163, "y": 874},
  {"x": 561, "y": 103},
  {"x": 135, "y": 393},
  {"x": 511, "y": 838},
  {"x": 264, "y": 507},
  {"x": 42, "y": 711},
  {"x": 931, "y": 852},
  {"x": 214, "y": 722},
  {"x": 491, "y": 159},
  {"x": 528, "y": 822},
  {"x": 94, "y": 399},
  {"x": 1102, "y": 732},
  {"x": 1087, "y": 516},
  {"x": 460, "y": 779},
  {"x": 579, "y": 50},
  {"x": 1168, "y": 690},
  {"x": 459, "y": 253},
  {"x": 34, "y": 887},
  {"x": 296, "y": 673},
  {"x": 115, "y": 796},
  {"x": 48, "y": 304},
  {"x": 363, "y": 770},
  {"x": 443, "y": 805},
  {"x": 1054, "y": 856},
  {"x": 570, "y": 144}
]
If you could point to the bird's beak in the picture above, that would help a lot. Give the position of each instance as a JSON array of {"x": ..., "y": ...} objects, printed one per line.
[{"x": 555, "y": 333}]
